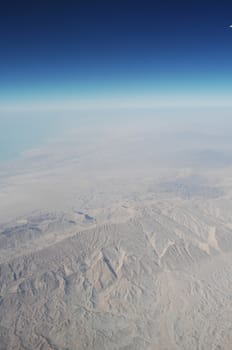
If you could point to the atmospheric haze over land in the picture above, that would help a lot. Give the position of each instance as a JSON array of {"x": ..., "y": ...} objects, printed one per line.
[{"x": 116, "y": 232}]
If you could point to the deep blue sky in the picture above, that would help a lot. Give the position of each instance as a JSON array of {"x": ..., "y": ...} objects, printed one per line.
[{"x": 85, "y": 49}]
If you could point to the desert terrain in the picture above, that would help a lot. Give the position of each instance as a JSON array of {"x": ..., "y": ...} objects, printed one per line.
[{"x": 124, "y": 244}]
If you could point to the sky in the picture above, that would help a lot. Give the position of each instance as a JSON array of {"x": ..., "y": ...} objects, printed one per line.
[{"x": 83, "y": 53}]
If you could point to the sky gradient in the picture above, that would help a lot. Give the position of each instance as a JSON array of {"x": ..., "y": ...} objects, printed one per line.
[{"x": 78, "y": 52}]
